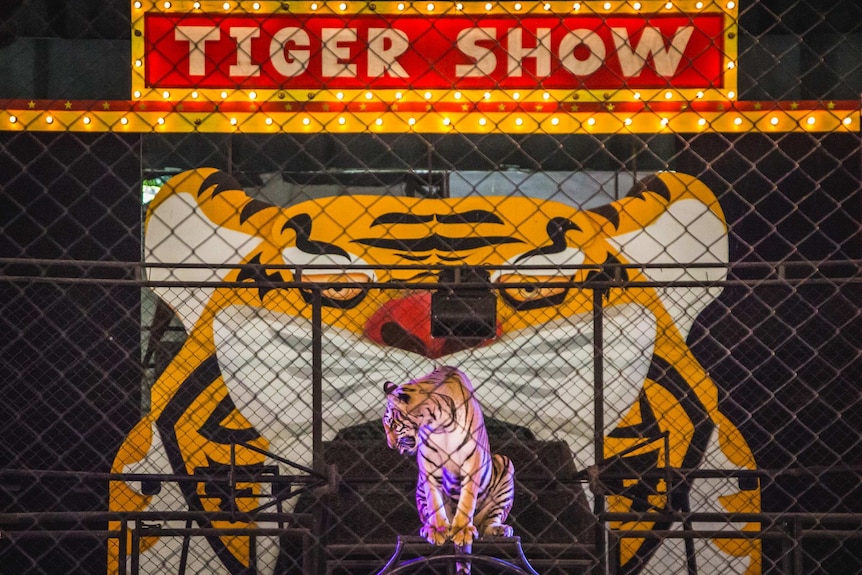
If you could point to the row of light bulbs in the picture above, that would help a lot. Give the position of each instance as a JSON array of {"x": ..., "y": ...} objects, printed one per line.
[
  {"x": 482, "y": 121},
  {"x": 431, "y": 7}
]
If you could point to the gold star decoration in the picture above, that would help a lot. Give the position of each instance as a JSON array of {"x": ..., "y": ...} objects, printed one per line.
[
  {"x": 574, "y": 107},
  {"x": 180, "y": 107},
  {"x": 68, "y": 105},
  {"x": 464, "y": 107},
  {"x": 106, "y": 105},
  {"x": 794, "y": 106},
  {"x": 610, "y": 107},
  {"x": 757, "y": 106},
  {"x": 539, "y": 107},
  {"x": 326, "y": 107},
  {"x": 288, "y": 107},
  {"x": 31, "y": 104},
  {"x": 831, "y": 105},
  {"x": 363, "y": 107},
  {"x": 501, "y": 107}
]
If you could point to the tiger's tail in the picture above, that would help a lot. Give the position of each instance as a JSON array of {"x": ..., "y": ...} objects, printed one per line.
[{"x": 463, "y": 567}]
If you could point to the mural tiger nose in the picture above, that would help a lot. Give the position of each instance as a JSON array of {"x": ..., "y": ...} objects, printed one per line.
[{"x": 406, "y": 323}]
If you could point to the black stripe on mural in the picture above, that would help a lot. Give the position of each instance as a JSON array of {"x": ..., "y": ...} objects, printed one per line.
[{"x": 197, "y": 382}]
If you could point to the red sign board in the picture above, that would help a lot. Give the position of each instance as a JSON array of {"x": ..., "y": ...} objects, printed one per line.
[{"x": 427, "y": 52}]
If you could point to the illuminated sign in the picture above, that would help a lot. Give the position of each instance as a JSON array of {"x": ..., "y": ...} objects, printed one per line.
[
  {"x": 605, "y": 51},
  {"x": 286, "y": 51}
]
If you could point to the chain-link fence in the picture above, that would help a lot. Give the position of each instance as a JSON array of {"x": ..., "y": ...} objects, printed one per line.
[{"x": 242, "y": 240}]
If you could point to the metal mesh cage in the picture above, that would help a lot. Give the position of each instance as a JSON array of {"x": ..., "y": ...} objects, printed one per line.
[{"x": 632, "y": 226}]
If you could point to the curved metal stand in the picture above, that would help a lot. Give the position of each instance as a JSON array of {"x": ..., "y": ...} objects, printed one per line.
[{"x": 445, "y": 554}]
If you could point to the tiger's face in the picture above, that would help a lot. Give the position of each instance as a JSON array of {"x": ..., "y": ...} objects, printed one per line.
[
  {"x": 401, "y": 432},
  {"x": 540, "y": 360}
]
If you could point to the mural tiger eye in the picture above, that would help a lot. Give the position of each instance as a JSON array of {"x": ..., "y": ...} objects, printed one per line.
[{"x": 241, "y": 381}]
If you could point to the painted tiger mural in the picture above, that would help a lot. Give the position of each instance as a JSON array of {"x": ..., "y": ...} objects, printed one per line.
[
  {"x": 462, "y": 490},
  {"x": 241, "y": 381}
]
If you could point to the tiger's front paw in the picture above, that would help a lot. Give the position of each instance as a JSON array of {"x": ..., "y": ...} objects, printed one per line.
[
  {"x": 434, "y": 532},
  {"x": 463, "y": 534},
  {"x": 498, "y": 530}
]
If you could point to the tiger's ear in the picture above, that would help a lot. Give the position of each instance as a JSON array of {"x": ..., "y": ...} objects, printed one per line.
[
  {"x": 202, "y": 216},
  {"x": 389, "y": 387}
]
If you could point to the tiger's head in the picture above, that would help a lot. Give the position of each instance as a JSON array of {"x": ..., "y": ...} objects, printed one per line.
[{"x": 401, "y": 431}]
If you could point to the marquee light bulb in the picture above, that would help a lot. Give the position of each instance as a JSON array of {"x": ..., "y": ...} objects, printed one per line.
[
  {"x": 576, "y": 6},
  {"x": 519, "y": 121},
  {"x": 252, "y": 95},
  {"x": 233, "y": 122},
  {"x": 49, "y": 119},
  {"x": 268, "y": 121},
  {"x": 379, "y": 121},
  {"x": 607, "y": 5},
  {"x": 13, "y": 119},
  {"x": 306, "y": 121},
  {"x": 482, "y": 121},
  {"x": 701, "y": 122},
  {"x": 811, "y": 120},
  {"x": 737, "y": 121},
  {"x": 731, "y": 94},
  {"x": 591, "y": 122},
  {"x": 848, "y": 120},
  {"x": 224, "y": 95},
  {"x": 124, "y": 121},
  {"x": 342, "y": 121},
  {"x": 411, "y": 121},
  {"x": 195, "y": 95},
  {"x": 160, "y": 121},
  {"x": 86, "y": 120},
  {"x": 555, "y": 121},
  {"x": 774, "y": 120},
  {"x": 398, "y": 95}
]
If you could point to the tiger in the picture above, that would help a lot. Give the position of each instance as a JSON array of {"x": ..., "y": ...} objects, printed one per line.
[
  {"x": 463, "y": 490},
  {"x": 244, "y": 276}
]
